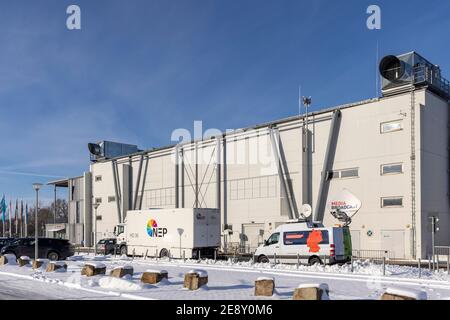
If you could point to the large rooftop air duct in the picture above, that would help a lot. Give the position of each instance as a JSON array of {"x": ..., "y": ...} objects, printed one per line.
[{"x": 404, "y": 72}]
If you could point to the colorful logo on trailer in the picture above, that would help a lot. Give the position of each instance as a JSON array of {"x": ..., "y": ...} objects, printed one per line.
[{"x": 154, "y": 231}]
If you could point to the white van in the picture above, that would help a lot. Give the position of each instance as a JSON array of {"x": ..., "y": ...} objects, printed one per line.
[{"x": 307, "y": 242}]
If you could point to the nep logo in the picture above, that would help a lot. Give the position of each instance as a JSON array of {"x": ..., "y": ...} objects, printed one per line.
[{"x": 154, "y": 231}]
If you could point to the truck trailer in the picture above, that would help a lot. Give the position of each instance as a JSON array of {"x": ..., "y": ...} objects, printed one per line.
[{"x": 178, "y": 233}]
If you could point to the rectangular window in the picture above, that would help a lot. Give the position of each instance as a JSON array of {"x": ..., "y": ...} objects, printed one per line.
[
  {"x": 98, "y": 178},
  {"x": 98, "y": 200},
  {"x": 349, "y": 173},
  {"x": 111, "y": 198},
  {"x": 392, "y": 202},
  {"x": 344, "y": 173},
  {"x": 391, "y": 126},
  {"x": 301, "y": 237},
  {"x": 393, "y": 168}
]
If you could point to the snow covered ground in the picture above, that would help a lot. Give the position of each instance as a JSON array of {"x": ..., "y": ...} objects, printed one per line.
[{"x": 227, "y": 280}]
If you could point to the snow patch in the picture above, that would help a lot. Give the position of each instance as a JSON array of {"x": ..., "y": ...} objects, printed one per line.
[
  {"x": 322, "y": 286},
  {"x": 123, "y": 267},
  {"x": 118, "y": 284},
  {"x": 264, "y": 278},
  {"x": 154, "y": 271},
  {"x": 25, "y": 258},
  {"x": 413, "y": 294},
  {"x": 96, "y": 265},
  {"x": 201, "y": 273}
]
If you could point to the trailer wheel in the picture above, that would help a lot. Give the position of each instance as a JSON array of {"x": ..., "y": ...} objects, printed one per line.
[
  {"x": 314, "y": 260},
  {"x": 123, "y": 250},
  {"x": 263, "y": 259},
  {"x": 164, "y": 253}
]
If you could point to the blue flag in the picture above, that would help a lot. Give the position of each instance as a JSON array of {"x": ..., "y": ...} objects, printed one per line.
[{"x": 3, "y": 208}]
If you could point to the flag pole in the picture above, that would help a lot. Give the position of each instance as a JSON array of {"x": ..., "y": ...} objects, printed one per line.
[
  {"x": 26, "y": 220},
  {"x": 3, "y": 209},
  {"x": 15, "y": 215},
  {"x": 10, "y": 209}
]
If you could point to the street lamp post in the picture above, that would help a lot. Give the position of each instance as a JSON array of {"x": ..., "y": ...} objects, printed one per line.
[
  {"x": 36, "y": 187},
  {"x": 96, "y": 205},
  {"x": 180, "y": 232}
]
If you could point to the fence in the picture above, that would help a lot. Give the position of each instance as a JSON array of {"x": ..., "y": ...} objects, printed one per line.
[
  {"x": 237, "y": 248},
  {"x": 373, "y": 255},
  {"x": 441, "y": 256}
]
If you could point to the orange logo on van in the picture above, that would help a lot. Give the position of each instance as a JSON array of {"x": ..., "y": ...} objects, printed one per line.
[{"x": 314, "y": 238}]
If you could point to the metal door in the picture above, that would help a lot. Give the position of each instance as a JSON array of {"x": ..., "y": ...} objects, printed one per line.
[
  {"x": 252, "y": 235},
  {"x": 356, "y": 239},
  {"x": 394, "y": 241}
]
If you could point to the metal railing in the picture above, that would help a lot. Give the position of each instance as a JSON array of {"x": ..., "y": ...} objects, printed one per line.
[
  {"x": 442, "y": 256},
  {"x": 374, "y": 255},
  {"x": 433, "y": 77}
]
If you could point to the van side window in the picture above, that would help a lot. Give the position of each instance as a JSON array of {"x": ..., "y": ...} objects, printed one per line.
[
  {"x": 301, "y": 237},
  {"x": 273, "y": 239}
]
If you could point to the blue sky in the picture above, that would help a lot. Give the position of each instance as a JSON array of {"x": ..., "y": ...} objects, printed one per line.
[{"x": 139, "y": 69}]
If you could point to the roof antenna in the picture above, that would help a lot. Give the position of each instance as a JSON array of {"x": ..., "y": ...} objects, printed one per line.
[{"x": 307, "y": 103}]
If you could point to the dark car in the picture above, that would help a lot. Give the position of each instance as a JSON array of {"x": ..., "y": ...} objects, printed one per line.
[
  {"x": 106, "y": 246},
  {"x": 49, "y": 248},
  {"x": 5, "y": 241}
]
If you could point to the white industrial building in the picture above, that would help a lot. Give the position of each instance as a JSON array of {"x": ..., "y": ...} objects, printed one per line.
[{"x": 391, "y": 152}]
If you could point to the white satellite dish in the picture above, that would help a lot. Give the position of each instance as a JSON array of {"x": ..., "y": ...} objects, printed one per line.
[
  {"x": 306, "y": 210},
  {"x": 345, "y": 202}
]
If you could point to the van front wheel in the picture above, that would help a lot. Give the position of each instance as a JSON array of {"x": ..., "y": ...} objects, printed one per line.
[
  {"x": 314, "y": 260},
  {"x": 263, "y": 259}
]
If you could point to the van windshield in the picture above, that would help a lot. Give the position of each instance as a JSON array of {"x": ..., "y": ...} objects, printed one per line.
[{"x": 274, "y": 238}]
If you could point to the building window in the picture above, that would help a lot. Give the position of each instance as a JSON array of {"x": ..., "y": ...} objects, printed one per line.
[
  {"x": 111, "y": 198},
  {"x": 98, "y": 200},
  {"x": 344, "y": 173},
  {"x": 391, "y": 126},
  {"x": 253, "y": 188},
  {"x": 160, "y": 197},
  {"x": 349, "y": 173},
  {"x": 98, "y": 178},
  {"x": 393, "y": 168},
  {"x": 392, "y": 202}
]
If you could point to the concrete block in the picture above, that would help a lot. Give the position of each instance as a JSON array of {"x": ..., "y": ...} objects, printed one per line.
[
  {"x": 23, "y": 261},
  {"x": 53, "y": 266},
  {"x": 311, "y": 292},
  {"x": 195, "y": 279},
  {"x": 154, "y": 276},
  {"x": 264, "y": 287},
  {"x": 93, "y": 269},
  {"x": 120, "y": 272}
]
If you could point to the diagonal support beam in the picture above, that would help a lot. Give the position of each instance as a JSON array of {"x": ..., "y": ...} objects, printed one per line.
[
  {"x": 282, "y": 171},
  {"x": 319, "y": 211}
]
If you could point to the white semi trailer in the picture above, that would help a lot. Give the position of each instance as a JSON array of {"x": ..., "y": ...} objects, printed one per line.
[{"x": 189, "y": 233}]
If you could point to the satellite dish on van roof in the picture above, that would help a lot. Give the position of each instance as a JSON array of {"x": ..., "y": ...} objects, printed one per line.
[
  {"x": 345, "y": 202},
  {"x": 306, "y": 210}
]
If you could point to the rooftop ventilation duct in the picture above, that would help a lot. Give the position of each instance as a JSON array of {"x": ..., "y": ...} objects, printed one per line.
[
  {"x": 401, "y": 73},
  {"x": 108, "y": 149}
]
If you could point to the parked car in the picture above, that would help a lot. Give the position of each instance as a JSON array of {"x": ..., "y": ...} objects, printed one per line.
[
  {"x": 5, "y": 241},
  {"x": 306, "y": 242},
  {"x": 106, "y": 246},
  {"x": 49, "y": 248}
]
